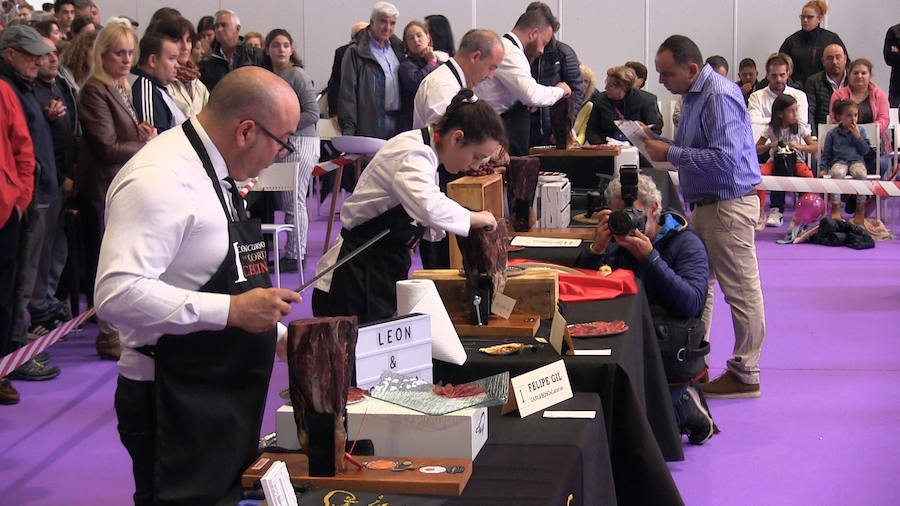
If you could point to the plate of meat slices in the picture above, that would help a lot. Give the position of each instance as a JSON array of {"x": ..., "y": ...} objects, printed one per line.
[
  {"x": 456, "y": 391},
  {"x": 355, "y": 395},
  {"x": 597, "y": 329}
]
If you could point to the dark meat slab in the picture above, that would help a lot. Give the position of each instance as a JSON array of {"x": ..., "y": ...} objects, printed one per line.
[{"x": 321, "y": 359}]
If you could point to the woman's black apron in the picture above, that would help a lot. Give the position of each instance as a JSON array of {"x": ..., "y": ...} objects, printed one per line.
[
  {"x": 366, "y": 285},
  {"x": 211, "y": 386},
  {"x": 436, "y": 255}
]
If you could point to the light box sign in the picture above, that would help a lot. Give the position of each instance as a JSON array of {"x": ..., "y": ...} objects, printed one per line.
[{"x": 401, "y": 345}]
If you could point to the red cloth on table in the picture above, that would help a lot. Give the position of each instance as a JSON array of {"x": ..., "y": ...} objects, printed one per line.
[{"x": 590, "y": 286}]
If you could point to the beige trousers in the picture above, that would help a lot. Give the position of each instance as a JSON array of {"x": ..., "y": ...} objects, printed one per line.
[{"x": 727, "y": 228}]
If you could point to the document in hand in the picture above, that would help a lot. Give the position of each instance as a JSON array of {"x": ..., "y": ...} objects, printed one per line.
[{"x": 637, "y": 137}]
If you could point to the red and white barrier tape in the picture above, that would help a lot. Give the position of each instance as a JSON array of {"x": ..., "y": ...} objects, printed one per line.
[
  {"x": 11, "y": 362},
  {"x": 319, "y": 170},
  {"x": 821, "y": 185},
  {"x": 326, "y": 167}
]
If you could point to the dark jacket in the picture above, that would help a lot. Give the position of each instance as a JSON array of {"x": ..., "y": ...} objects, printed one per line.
[
  {"x": 806, "y": 49},
  {"x": 46, "y": 184},
  {"x": 559, "y": 63},
  {"x": 818, "y": 93},
  {"x": 334, "y": 81},
  {"x": 62, "y": 129},
  {"x": 149, "y": 105},
  {"x": 361, "y": 106},
  {"x": 637, "y": 105},
  {"x": 892, "y": 58},
  {"x": 675, "y": 274},
  {"x": 758, "y": 85},
  {"x": 214, "y": 66},
  {"x": 411, "y": 72},
  {"x": 109, "y": 138}
]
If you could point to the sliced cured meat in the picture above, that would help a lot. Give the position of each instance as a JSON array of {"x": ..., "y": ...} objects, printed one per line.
[
  {"x": 355, "y": 395},
  {"x": 598, "y": 328},
  {"x": 454, "y": 392},
  {"x": 504, "y": 349},
  {"x": 484, "y": 253}
]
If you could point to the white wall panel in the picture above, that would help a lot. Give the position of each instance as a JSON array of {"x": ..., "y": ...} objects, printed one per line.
[
  {"x": 862, "y": 25},
  {"x": 604, "y": 33},
  {"x": 779, "y": 22},
  {"x": 192, "y": 10},
  {"x": 708, "y": 23}
]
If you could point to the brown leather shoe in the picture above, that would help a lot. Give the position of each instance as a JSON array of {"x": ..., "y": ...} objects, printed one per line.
[
  {"x": 728, "y": 386},
  {"x": 8, "y": 393},
  {"x": 108, "y": 346}
]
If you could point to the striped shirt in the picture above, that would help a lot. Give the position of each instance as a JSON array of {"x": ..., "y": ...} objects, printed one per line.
[{"x": 714, "y": 150}]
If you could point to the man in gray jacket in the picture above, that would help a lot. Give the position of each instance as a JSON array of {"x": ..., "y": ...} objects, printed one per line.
[{"x": 371, "y": 63}]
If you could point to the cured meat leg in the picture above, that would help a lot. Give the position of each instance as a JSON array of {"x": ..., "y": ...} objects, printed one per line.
[
  {"x": 484, "y": 253},
  {"x": 522, "y": 178},
  {"x": 321, "y": 359}
]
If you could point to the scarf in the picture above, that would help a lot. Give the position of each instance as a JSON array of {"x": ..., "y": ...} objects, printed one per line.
[{"x": 186, "y": 74}]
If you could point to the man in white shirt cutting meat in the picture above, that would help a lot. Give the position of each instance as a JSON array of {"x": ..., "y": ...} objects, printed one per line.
[{"x": 513, "y": 90}]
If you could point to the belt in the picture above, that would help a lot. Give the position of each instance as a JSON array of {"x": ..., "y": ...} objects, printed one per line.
[{"x": 712, "y": 200}]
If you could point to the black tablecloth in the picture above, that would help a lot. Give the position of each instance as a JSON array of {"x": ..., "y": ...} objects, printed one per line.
[
  {"x": 540, "y": 461},
  {"x": 529, "y": 461},
  {"x": 640, "y": 422}
]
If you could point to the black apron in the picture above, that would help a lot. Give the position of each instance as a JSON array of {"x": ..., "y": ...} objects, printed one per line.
[
  {"x": 366, "y": 285},
  {"x": 211, "y": 386},
  {"x": 517, "y": 121},
  {"x": 436, "y": 255}
]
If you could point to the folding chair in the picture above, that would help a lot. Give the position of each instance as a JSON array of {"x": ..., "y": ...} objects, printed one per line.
[
  {"x": 872, "y": 132},
  {"x": 281, "y": 177}
]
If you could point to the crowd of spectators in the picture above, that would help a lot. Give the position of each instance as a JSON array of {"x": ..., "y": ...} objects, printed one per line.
[{"x": 81, "y": 97}]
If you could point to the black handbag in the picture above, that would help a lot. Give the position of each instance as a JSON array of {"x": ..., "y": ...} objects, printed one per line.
[
  {"x": 785, "y": 164},
  {"x": 681, "y": 345}
]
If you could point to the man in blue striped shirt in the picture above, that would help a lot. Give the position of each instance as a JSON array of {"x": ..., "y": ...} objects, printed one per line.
[{"x": 718, "y": 169}]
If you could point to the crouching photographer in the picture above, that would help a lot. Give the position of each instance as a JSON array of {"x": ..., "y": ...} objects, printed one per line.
[{"x": 636, "y": 234}]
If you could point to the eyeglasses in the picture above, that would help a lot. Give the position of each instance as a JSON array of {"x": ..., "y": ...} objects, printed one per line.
[
  {"x": 285, "y": 150},
  {"x": 806, "y": 16}
]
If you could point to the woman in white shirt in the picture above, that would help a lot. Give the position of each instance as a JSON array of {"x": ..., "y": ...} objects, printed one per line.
[
  {"x": 188, "y": 92},
  {"x": 399, "y": 191}
]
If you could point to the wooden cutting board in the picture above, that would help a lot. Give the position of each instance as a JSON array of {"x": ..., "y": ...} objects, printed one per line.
[
  {"x": 518, "y": 325},
  {"x": 368, "y": 480}
]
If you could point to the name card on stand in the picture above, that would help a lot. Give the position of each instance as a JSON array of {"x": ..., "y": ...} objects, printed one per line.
[
  {"x": 539, "y": 389},
  {"x": 401, "y": 345}
]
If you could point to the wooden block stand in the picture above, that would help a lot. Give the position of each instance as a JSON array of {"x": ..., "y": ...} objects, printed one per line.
[
  {"x": 476, "y": 193},
  {"x": 368, "y": 480},
  {"x": 535, "y": 291}
]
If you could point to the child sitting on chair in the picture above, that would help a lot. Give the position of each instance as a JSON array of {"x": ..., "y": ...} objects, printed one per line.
[
  {"x": 785, "y": 137},
  {"x": 844, "y": 153}
]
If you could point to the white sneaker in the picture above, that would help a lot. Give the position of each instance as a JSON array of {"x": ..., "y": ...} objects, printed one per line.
[{"x": 775, "y": 219}]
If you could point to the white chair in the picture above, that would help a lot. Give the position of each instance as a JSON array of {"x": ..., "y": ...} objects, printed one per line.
[
  {"x": 872, "y": 132},
  {"x": 281, "y": 177}
]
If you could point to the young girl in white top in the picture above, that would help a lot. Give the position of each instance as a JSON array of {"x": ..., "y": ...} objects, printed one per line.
[{"x": 785, "y": 135}]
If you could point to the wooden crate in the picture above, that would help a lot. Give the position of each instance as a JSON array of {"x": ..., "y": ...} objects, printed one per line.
[
  {"x": 535, "y": 291},
  {"x": 476, "y": 193}
]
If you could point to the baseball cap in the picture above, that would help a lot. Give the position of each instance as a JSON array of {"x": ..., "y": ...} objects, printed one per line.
[{"x": 24, "y": 38}]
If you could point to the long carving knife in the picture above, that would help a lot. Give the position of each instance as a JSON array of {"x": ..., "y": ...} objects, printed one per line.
[{"x": 344, "y": 260}]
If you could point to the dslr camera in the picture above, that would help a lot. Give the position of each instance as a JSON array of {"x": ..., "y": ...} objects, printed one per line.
[{"x": 622, "y": 222}]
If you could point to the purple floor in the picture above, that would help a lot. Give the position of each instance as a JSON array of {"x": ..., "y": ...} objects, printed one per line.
[{"x": 825, "y": 431}]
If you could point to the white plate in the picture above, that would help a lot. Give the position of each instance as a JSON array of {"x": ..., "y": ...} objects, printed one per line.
[{"x": 357, "y": 145}]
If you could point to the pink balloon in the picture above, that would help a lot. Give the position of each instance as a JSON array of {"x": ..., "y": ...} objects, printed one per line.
[{"x": 810, "y": 208}]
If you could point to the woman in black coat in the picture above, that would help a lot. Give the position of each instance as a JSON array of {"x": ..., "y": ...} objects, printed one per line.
[
  {"x": 805, "y": 46},
  {"x": 621, "y": 101}
]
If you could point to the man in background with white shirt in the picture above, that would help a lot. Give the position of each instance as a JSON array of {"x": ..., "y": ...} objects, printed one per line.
[
  {"x": 183, "y": 274},
  {"x": 478, "y": 57},
  {"x": 513, "y": 90},
  {"x": 778, "y": 71}
]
